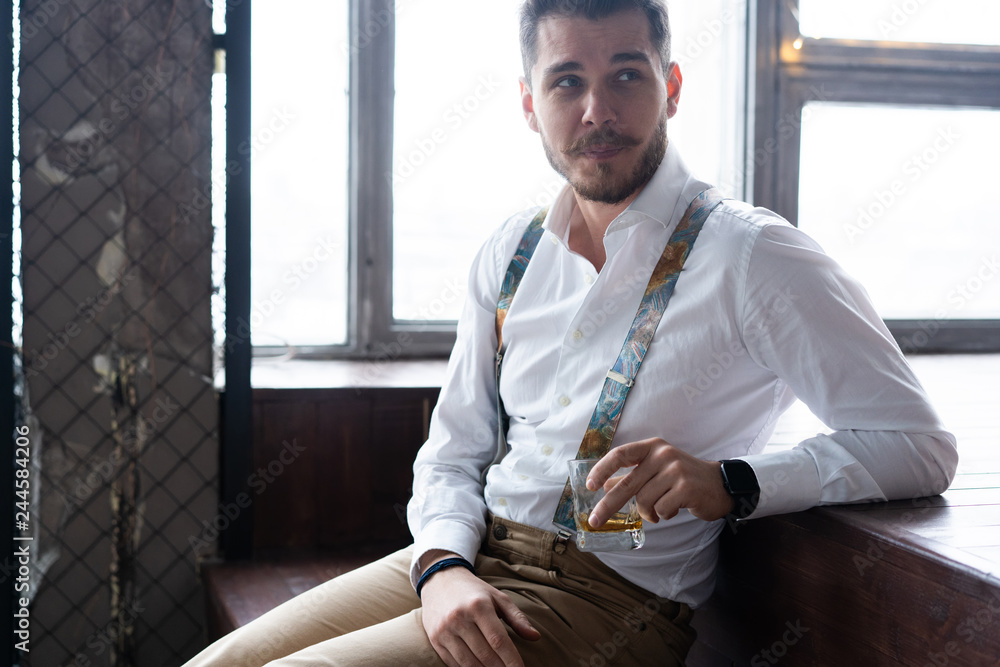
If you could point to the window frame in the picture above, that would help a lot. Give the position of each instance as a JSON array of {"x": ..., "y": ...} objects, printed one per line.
[
  {"x": 841, "y": 70},
  {"x": 372, "y": 333},
  {"x": 782, "y": 82}
]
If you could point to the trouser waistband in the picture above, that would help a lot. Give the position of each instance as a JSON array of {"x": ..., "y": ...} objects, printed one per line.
[{"x": 521, "y": 544}]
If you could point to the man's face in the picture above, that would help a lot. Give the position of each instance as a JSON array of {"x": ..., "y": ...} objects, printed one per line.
[{"x": 600, "y": 102}]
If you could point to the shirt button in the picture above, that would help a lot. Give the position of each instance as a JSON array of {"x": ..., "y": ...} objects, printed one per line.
[
  {"x": 577, "y": 335},
  {"x": 589, "y": 279},
  {"x": 547, "y": 450},
  {"x": 554, "y": 240},
  {"x": 502, "y": 502},
  {"x": 522, "y": 477},
  {"x": 564, "y": 401}
]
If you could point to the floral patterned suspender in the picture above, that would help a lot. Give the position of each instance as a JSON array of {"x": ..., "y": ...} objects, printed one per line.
[{"x": 620, "y": 379}]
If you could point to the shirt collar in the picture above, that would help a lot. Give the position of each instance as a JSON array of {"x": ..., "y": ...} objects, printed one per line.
[{"x": 664, "y": 199}]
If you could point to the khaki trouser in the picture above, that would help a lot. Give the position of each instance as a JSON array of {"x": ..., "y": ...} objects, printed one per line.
[{"x": 586, "y": 613}]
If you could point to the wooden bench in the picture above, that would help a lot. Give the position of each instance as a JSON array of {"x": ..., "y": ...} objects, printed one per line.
[{"x": 908, "y": 582}]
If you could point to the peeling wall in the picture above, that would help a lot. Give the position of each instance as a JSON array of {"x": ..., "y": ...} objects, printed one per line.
[{"x": 116, "y": 264}]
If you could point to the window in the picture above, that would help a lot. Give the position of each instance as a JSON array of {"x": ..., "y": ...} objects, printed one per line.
[
  {"x": 298, "y": 149},
  {"x": 876, "y": 130},
  {"x": 387, "y": 143}
]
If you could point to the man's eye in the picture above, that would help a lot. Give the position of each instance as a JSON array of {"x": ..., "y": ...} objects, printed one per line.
[
  {"x": 568, "y": 82},
  {"x": 631, "y": 75}
]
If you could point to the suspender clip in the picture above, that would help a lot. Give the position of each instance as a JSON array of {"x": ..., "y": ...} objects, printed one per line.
[{"x": 621, "y": 379}]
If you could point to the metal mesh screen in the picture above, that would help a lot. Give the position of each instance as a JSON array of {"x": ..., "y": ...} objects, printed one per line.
[{"x": 116, "y": 270}]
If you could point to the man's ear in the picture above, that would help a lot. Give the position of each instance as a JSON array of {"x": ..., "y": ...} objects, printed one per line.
[
  {"x": 674, "y": 83},
  {"x": 528, "y": 104}
]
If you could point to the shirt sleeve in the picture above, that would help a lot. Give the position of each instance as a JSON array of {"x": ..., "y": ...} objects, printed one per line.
[
  {"x": 815, "y": 327},
  {"x": 448, "y": 509}
]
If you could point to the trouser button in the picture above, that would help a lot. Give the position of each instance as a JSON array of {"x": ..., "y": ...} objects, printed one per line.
[{"x": 500, "y": 532}]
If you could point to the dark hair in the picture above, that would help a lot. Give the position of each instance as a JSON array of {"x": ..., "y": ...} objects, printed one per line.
[{"x": 533, "y": 11}]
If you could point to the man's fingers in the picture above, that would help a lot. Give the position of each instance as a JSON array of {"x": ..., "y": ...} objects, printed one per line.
[
  {"x": 448, "y": 657},
  {"x": 516, "y": 618},
  {"x": 493, "y": 646},
  {"x": 615, "y": 498},
  {"x": 609, "y": 463},
  {"x": 468, "y": 645}
]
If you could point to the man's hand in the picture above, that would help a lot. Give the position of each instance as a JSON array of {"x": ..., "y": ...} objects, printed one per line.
[
  {"x": 664, "y": 480},
  {"x": 462, "y": 618}
]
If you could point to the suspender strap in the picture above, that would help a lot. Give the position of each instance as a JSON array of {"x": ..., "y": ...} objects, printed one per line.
[
  {"x": 620, "y": 379},
  {"x": 515, "y": 271}
]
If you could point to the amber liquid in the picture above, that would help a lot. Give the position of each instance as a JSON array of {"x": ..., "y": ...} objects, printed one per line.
[{"x": 618, "y": 523}]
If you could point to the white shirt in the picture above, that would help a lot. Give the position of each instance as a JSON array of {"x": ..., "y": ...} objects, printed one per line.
[{"x": 759, "y": 316}]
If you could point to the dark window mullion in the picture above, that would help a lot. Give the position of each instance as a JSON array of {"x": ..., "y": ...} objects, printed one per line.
[{"x": 373, "y": 90}]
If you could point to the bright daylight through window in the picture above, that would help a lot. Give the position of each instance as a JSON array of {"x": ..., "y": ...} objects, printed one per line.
[
  {"x": 927, "y": 21},
  {"x": 298, "y": 152},
  {"x": 886, "y": 191},
  {"x": 464, "y": 158}
]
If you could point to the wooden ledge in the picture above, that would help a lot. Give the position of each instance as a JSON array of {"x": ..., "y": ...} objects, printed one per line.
[
  {"x": 348, "y": 374},
  {"x": 868, "y": 586}
]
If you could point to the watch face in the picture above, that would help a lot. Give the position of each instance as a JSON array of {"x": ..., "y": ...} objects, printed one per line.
[{"x": 740, "y": 477}]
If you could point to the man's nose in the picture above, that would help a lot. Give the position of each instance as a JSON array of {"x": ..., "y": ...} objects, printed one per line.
[{"x": 599, "y": 107}]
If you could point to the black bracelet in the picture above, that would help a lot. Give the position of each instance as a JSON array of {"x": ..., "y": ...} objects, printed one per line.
[{"x": 440, "y": 565}]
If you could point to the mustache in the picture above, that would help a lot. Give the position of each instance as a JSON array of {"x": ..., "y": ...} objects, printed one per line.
[{"x": 602, "y": 137}]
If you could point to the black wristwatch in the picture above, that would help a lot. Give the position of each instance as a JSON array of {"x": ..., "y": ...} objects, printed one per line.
[{"x": 740, "y": 482}]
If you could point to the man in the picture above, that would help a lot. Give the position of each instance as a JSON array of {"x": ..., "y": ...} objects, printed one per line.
[{"x": 759, "y": 316}]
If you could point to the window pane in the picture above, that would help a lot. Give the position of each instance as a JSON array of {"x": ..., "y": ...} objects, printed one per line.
[
  {"x": 464, "y": 159},
  {"x": 932, "y": 21},
  {"x": 898, "y": 195},
  {"x": 298, "y": 153},
  {"x": 708, "y": 43}
]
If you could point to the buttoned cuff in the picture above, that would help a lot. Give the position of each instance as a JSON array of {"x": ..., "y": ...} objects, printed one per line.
[
  {"x": 789, "y": 481},
  {"x": 451, "y": 536}
]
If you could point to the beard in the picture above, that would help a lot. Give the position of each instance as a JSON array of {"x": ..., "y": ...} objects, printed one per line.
[{"x": 609, "y": 187}]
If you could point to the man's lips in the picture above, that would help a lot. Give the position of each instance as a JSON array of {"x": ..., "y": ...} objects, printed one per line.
[{"x": 601, "y": 151}]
